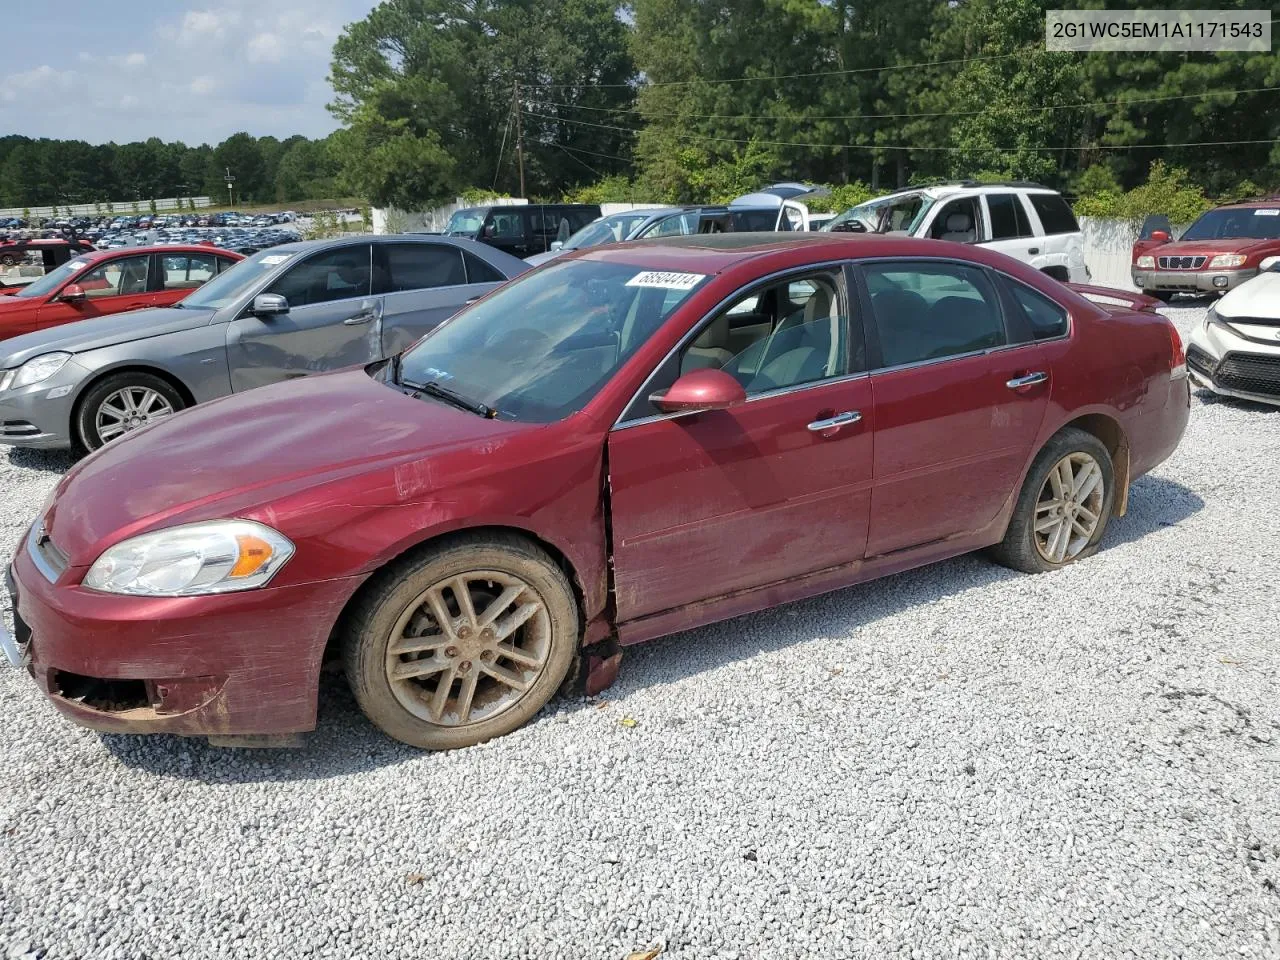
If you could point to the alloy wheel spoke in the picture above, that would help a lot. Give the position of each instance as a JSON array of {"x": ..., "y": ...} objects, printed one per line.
[
  {"x": 435, "y": 599},
  {"x": 431, "y": 642},
  {"x": 466, "y": 694},
  {"x": 111, "y": 410},
  {"x": 1048, "y": 523},
  {"x": 1087, "y": 488},
  {"x": 425, "y": 667},
  {"x": 1088, "y": 516},
  {"x": 440, "y": 698},
  {"x": 1055, "y": 482},
  {"x": 499, "y": 606},
  {"x": 505, "y": 676},
  {"x": 518, "y": 618},
  {"x": 462, "y": 594},
  {"x": 1081, "y": 529},
  {"x": 111, "y": 431},
  {"x": 522, "y": 657}
]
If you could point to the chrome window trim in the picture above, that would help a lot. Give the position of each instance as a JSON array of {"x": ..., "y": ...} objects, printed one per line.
[{"x": 689, "y": 335}]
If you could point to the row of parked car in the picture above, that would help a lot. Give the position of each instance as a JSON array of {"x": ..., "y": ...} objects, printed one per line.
[{"x": 467, "y": 514}]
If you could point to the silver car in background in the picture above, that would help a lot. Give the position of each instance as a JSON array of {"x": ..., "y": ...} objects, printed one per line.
[{"x": 288, "y": 311}]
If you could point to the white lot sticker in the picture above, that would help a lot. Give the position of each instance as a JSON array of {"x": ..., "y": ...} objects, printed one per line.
[
  {"x": 1266, "y": 213},
  {"x": 666, "y": 281},
  {"x": 274, "y": 259}
]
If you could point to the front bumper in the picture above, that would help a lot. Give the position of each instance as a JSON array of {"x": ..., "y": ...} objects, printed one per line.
[
  {"x": 31, "y": 417},
  {"x": 237, "y": 664},
  {"x": 1191, "y": 281},
  {"x": 1233, "y": 366}
]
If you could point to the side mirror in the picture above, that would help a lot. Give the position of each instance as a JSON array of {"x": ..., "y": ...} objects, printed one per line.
[
  {"x": 269, "y": 305},
  {"x": 73, "y": 293},
  {"x": 557, "y": 244},
  {"x": 1160, "y": 236},
  {"x": 707, "y": 389},
  {"x": 487, "y": 231}
]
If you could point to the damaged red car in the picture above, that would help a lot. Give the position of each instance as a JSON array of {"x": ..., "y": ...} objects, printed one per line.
[{"x": 628, "y": 442}]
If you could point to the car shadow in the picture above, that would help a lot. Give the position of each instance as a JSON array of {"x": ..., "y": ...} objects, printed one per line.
[
  {"x": 345, "y": 742},
  {"x": 46, "y": 461}
]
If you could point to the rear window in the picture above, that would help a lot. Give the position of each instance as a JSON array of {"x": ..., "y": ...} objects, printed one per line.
[
  {"x": 1047, "y": 319},
  {"x": 1055, "y": 215}
]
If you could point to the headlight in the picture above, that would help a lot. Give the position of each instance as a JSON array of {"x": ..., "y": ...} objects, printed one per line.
[
  {"x": 1227, "y": 260},
  {"x": 33, "y": 371},
  {"x": 219, "y": 556},
  {"x": 1146, "y": 263}
]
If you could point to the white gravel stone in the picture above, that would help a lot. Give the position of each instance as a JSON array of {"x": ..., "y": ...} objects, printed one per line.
[{"x": 956, "y": 762}]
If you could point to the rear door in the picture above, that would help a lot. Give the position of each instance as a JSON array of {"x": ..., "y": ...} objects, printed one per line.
[
  {"x": 334, "y": 321},
  {"x": 960, "y": 395},
  {"x": 1060, "y": 232},
  {"x": 422, "y": 285},
  {"x": 1010, "y": 230},
  {"x": 174, "y": 275},
  {"x": 507, "y": 228}
]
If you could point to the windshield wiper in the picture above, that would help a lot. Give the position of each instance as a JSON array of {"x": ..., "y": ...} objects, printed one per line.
[{"x": 433, "y": 389}]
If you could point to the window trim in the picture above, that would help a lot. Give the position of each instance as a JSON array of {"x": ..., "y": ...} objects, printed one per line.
[
  {"x": 103, "y": 264},
  {"x": 980, "y": 220},
  {"x": 1017, "y": 199},
  {"x": 1006, "y": 283},
  {"x": 160, "y": 274},
  {"x": 830, "y": 266},
  {"x": 872, "y": 333}
]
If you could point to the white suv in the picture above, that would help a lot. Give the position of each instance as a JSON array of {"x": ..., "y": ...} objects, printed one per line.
[{"x": 1024, "y": 220}]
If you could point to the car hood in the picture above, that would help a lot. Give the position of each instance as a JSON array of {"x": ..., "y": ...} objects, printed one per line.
[
  {"x": 1200, "y": 248},
  {"x": 1257, "y": 299},
  {"x": 83, "y": 335},
  {"x": 236, "y": 456}
]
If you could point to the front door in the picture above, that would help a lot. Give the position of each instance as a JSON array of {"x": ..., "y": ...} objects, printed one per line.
[
  {"x": 334, "y": 321},
  {"x": 958, "y": 402},
  {"x": 706, "y": 504},
  {"x": 115, "y": 286}
]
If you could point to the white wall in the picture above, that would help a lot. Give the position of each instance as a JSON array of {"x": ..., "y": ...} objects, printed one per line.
[
  {"x": 393, "y": 220},
  {"x": 120, "y": 208},
  {"x": 1108, "y": 244}
]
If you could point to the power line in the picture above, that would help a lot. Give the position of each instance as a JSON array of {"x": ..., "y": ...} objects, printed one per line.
[
  {"x": 603, "y": 156},
  {"x": 896, "y": 116},
  {"x": 934, "y": 149},
  {"x": 782, "y": 76}
]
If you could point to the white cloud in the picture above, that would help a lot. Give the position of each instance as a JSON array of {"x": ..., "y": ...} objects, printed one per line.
[
  {"x": 202, "y": 86},
  {"x": 41, "y": 84},
  {"x": 131, "y": 61},
  {"x": 266, "y": 48}
]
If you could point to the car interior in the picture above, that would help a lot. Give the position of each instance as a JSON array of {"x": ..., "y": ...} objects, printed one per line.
[
  {"x": 119, "y": 278},
  {"x": 784, "y": 335},
  {"x": 930, "y": 312},
  {"x": 957, "y": 221}
]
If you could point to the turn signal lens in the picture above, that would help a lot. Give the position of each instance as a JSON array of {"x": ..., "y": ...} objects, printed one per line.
[{"x": 254, "y": 552}]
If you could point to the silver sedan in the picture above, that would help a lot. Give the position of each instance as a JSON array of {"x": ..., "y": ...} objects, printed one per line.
[{"x": 288, "y": 311}]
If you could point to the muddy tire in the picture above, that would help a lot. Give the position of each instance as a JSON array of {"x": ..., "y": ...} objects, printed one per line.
[
  {"x": 1062, "y": 510},
  {"x": 462, "y": 641}
]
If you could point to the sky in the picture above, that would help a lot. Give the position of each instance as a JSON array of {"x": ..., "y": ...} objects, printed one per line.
[{"x": 190, "y": 70}]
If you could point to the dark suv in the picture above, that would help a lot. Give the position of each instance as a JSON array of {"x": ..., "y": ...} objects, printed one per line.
[{"x": 522, "y": 230}]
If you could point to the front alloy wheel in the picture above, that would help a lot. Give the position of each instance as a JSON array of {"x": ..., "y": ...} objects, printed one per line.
[
  {"x": 462, "y": 640},
  {"x": 122, "y": 403}
]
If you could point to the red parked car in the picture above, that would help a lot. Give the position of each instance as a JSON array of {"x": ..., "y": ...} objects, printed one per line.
[
  {"x": 1223, "y": 248},
  {"x": 629, "y": 441},
  {"x": 110, "y": 281}
]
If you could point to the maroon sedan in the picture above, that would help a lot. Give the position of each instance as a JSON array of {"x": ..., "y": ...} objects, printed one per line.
[{"x": 628, "y": 442}]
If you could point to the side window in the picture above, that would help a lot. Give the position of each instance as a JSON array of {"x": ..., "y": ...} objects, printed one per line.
[
  {"x": 225, "y": 264},
  {"x": 420, "y": 266},
  {"x": 783, "y": 335},
  {"x": 480, "y": 272},
  {"x": 957, "y": 221},
  {"x": 932, "y": 310},
  {"x": 116, "y": 278},
  {"x": 333, "y": 275},
  {"x": 1047, "y": 319},
  {"x": 1008, "y": 218},
  {"x": 675, "y": 226},
  {"x": 188, "y": 271},
  {"x": 579, "y": 218},
  {"x": 507, "y": 225},
  {"x": 1055, "y": 215}
]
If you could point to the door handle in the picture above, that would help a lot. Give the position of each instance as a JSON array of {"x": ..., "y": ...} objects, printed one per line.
[
  {"x": 836, "y": 422},
  {"x": 372, "y": 311},
  {"x": 1030, "y": 380},
  {"x": 358, "y": 319},
  {"x": 1034, "y": 250},
  {"x": 472, "y": 300}
]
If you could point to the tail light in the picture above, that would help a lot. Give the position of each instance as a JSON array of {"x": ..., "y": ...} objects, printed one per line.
[{"x": 1178, "y": 360}]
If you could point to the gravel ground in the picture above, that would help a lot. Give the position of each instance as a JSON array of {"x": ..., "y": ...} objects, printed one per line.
[{"x": 954, "y": 762}]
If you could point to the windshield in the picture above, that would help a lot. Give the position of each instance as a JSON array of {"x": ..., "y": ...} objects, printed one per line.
[
  {"x": 52, "y": 280},
  {"x": 540, "y": 348},
  {"x": 465, "y": 223},
  {"x": 1249, "y": 223},
  {"x": 613, "y": 229},
  {"x": 894, "y": 214},
  {"x": 227, "y": 286}
]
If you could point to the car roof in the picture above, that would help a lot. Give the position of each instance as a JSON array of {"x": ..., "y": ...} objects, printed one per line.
[
  {"x": 716, "y": 252},
  {"x": 95, "y": 255},
  {"x": 1259, "y": 202}
]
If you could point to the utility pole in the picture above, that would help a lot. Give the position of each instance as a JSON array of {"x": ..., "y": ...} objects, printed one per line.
[
  {"x": 519, "y": 136},
  {"x": 230, "y": 181}
]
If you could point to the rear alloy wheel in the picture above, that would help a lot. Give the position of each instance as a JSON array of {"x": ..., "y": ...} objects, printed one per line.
[
  {"x": 123, "y": 403},
  {"x": 462, "y": 644},
  {"x": 8, "y": 260},
  {"x": 1063, "y": 508}
]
